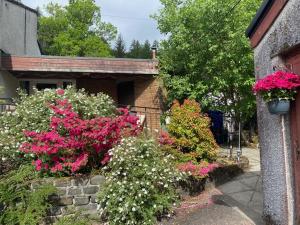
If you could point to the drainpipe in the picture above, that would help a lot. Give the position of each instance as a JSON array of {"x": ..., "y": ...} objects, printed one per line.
[
  {"x": 288, "y": 174},
  {"x": 25, "y": 33}
]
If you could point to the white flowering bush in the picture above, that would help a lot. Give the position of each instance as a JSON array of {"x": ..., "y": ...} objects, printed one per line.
[
  {"x": 33, "y": 113},
  {"x": 140, "y": 185}
]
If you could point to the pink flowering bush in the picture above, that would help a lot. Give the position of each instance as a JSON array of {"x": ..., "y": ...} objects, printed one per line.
[
  {"x": 74, "y": 144},
  {"x": 201, "y": 170},
  {"x": 279, "y": 85}
]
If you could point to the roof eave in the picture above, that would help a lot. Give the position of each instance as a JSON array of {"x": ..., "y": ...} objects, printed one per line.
[
  {"x": 23, "y": 6},
  {"x": 265, "y": 7}
]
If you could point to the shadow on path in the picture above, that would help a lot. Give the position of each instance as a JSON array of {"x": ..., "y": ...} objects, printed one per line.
[{"x": 235, "y": 202}]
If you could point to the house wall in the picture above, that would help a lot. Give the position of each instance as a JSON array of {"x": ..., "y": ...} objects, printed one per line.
[
  {"x": 18, "y": 36},
  {"x": 8, "y": 84},
  {"x": 148, "y": 94},
  {"x": 274, "y": 130},
  {"x": 18, "y": 27},
  {"x": 94, "y": 86}
]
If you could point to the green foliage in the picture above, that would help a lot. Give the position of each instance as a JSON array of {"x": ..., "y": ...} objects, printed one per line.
[
  {"x": 75, "y": 30},
  {"x": 191, "y": 133},
  {"x": 206, "y": 55},
  {"x": 1, "y": 92},
  {"x": 21, "y": 205},
  {"x": 135, "y": 49},
  {"x": 139, "y": 51},
  {"x": 32, "y": 113},
  {"x": 140, "y": 183},
  {"x": 120, "y": 48},
  {"x": 146, "y": 50},
  {"x": 76, "y": 219}
]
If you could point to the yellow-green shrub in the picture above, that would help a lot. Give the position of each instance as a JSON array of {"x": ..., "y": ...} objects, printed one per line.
[{"x": 190, "y": 130}]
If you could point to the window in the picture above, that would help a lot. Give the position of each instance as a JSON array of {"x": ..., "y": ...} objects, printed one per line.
[
  {"x": 42, "y": 86},
  {"x": 25, "y": 86}
]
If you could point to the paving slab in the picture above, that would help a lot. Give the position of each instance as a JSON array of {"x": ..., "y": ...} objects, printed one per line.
[{"x": 214, "y": 215}]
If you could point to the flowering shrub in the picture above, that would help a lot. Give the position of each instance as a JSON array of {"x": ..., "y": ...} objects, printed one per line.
[
  {"x": 33, "y": 113},
  {"x": 191, "y": 132},
  {"x": 73, "y": 143},
  {"x": 140, "y": 183},
  {"x": 201, "y": 170},
  {"x": 279, "y": 85},
  {"x": 165, "y": 139}
]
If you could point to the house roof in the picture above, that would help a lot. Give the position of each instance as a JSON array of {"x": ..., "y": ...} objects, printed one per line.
[
  {"x": 53, "y": 64},
  {"x": 264, "y": 19},
  {"x": 264, "y": 8},
  {"x": 22, "y": 5}
]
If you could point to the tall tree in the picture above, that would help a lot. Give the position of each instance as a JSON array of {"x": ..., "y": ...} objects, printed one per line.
[
  {"x": 146, "y": 50},
  {"x": 206, "y": 55},
  {"x": 75, "y": 30},
  {"x": 120, "y": 47},
  {"x": 135, "y": 50}
]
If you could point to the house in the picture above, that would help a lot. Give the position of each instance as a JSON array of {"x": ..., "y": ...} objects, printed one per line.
[
  {"x": 130, "y": 82},
  {"x": 275, "y": 37}
]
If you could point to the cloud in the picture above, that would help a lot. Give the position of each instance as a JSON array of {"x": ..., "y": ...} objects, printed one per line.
[{"x": 131, "y": 17}]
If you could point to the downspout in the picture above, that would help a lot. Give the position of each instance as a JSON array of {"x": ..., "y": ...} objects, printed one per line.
[
  {"x": 288, "y": 174},
  {"x": 25, "y": 33}
]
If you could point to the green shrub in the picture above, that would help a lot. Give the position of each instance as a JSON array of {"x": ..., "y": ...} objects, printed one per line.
[
  {"x": 33, "y": 113},
  {"x": 190, "y": 131},
  {"x": 18, "y": 203},
  {"x": 76, "y": 219},
  {"x": 140, "y": 183}
]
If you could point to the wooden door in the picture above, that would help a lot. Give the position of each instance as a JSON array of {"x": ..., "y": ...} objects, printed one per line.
[{"x": 293, "y": 64}]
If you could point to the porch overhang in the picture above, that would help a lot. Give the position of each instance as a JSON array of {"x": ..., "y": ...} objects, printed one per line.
[{"x": 76, "y": 67}]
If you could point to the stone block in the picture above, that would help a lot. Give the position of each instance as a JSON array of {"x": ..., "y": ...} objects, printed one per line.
[
  {"x": 94, "y": 199},
  {"x": 62, "y": 201},
  {"x": 62, "y": 183},
  {"x": 90, "y": 190},
  {"x": 68, "y": 210},
  {"x": 55, "y": 211},
  {"x": 74, "y": 191},
  {"x": 89, "y": 207},
  {"x": 97, "y": 180},
  {"x": 61, "y": 191},
  {"x": 80, "y": 181},
  {"x": 78, "y": 201}
]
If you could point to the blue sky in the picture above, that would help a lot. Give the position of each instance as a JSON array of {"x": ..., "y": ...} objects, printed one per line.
[{"x": 131, "y": 17}]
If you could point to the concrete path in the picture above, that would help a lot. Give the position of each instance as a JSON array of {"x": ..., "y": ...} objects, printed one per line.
[
  {"x": 237, "y": 202},
  {"x": 245, "y": 191}
]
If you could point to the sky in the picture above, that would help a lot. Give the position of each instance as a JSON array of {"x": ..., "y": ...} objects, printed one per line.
[{"x": 131, "y": 17}]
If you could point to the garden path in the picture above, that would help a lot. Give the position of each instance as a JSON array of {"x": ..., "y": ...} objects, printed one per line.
[{"x": 237, "y": 202}]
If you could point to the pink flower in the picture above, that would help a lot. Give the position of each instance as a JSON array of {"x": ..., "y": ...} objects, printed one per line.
[
  {"x": 38, "y": 164},
  {"x": 165, "y": 139},
  {"x": 60, "y": 91},
  {"x": 198, "y": 170},
  {"x": 73, "y": 143},
  {"x": 277, "y": 80}
]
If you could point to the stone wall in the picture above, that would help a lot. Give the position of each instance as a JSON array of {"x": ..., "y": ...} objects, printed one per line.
[{"x": 74, "y": 194}]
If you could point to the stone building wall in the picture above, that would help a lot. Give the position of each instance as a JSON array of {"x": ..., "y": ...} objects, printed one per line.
[
  {"x": 79, "y": 194},
  {"x": 274, "y": 131}
]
